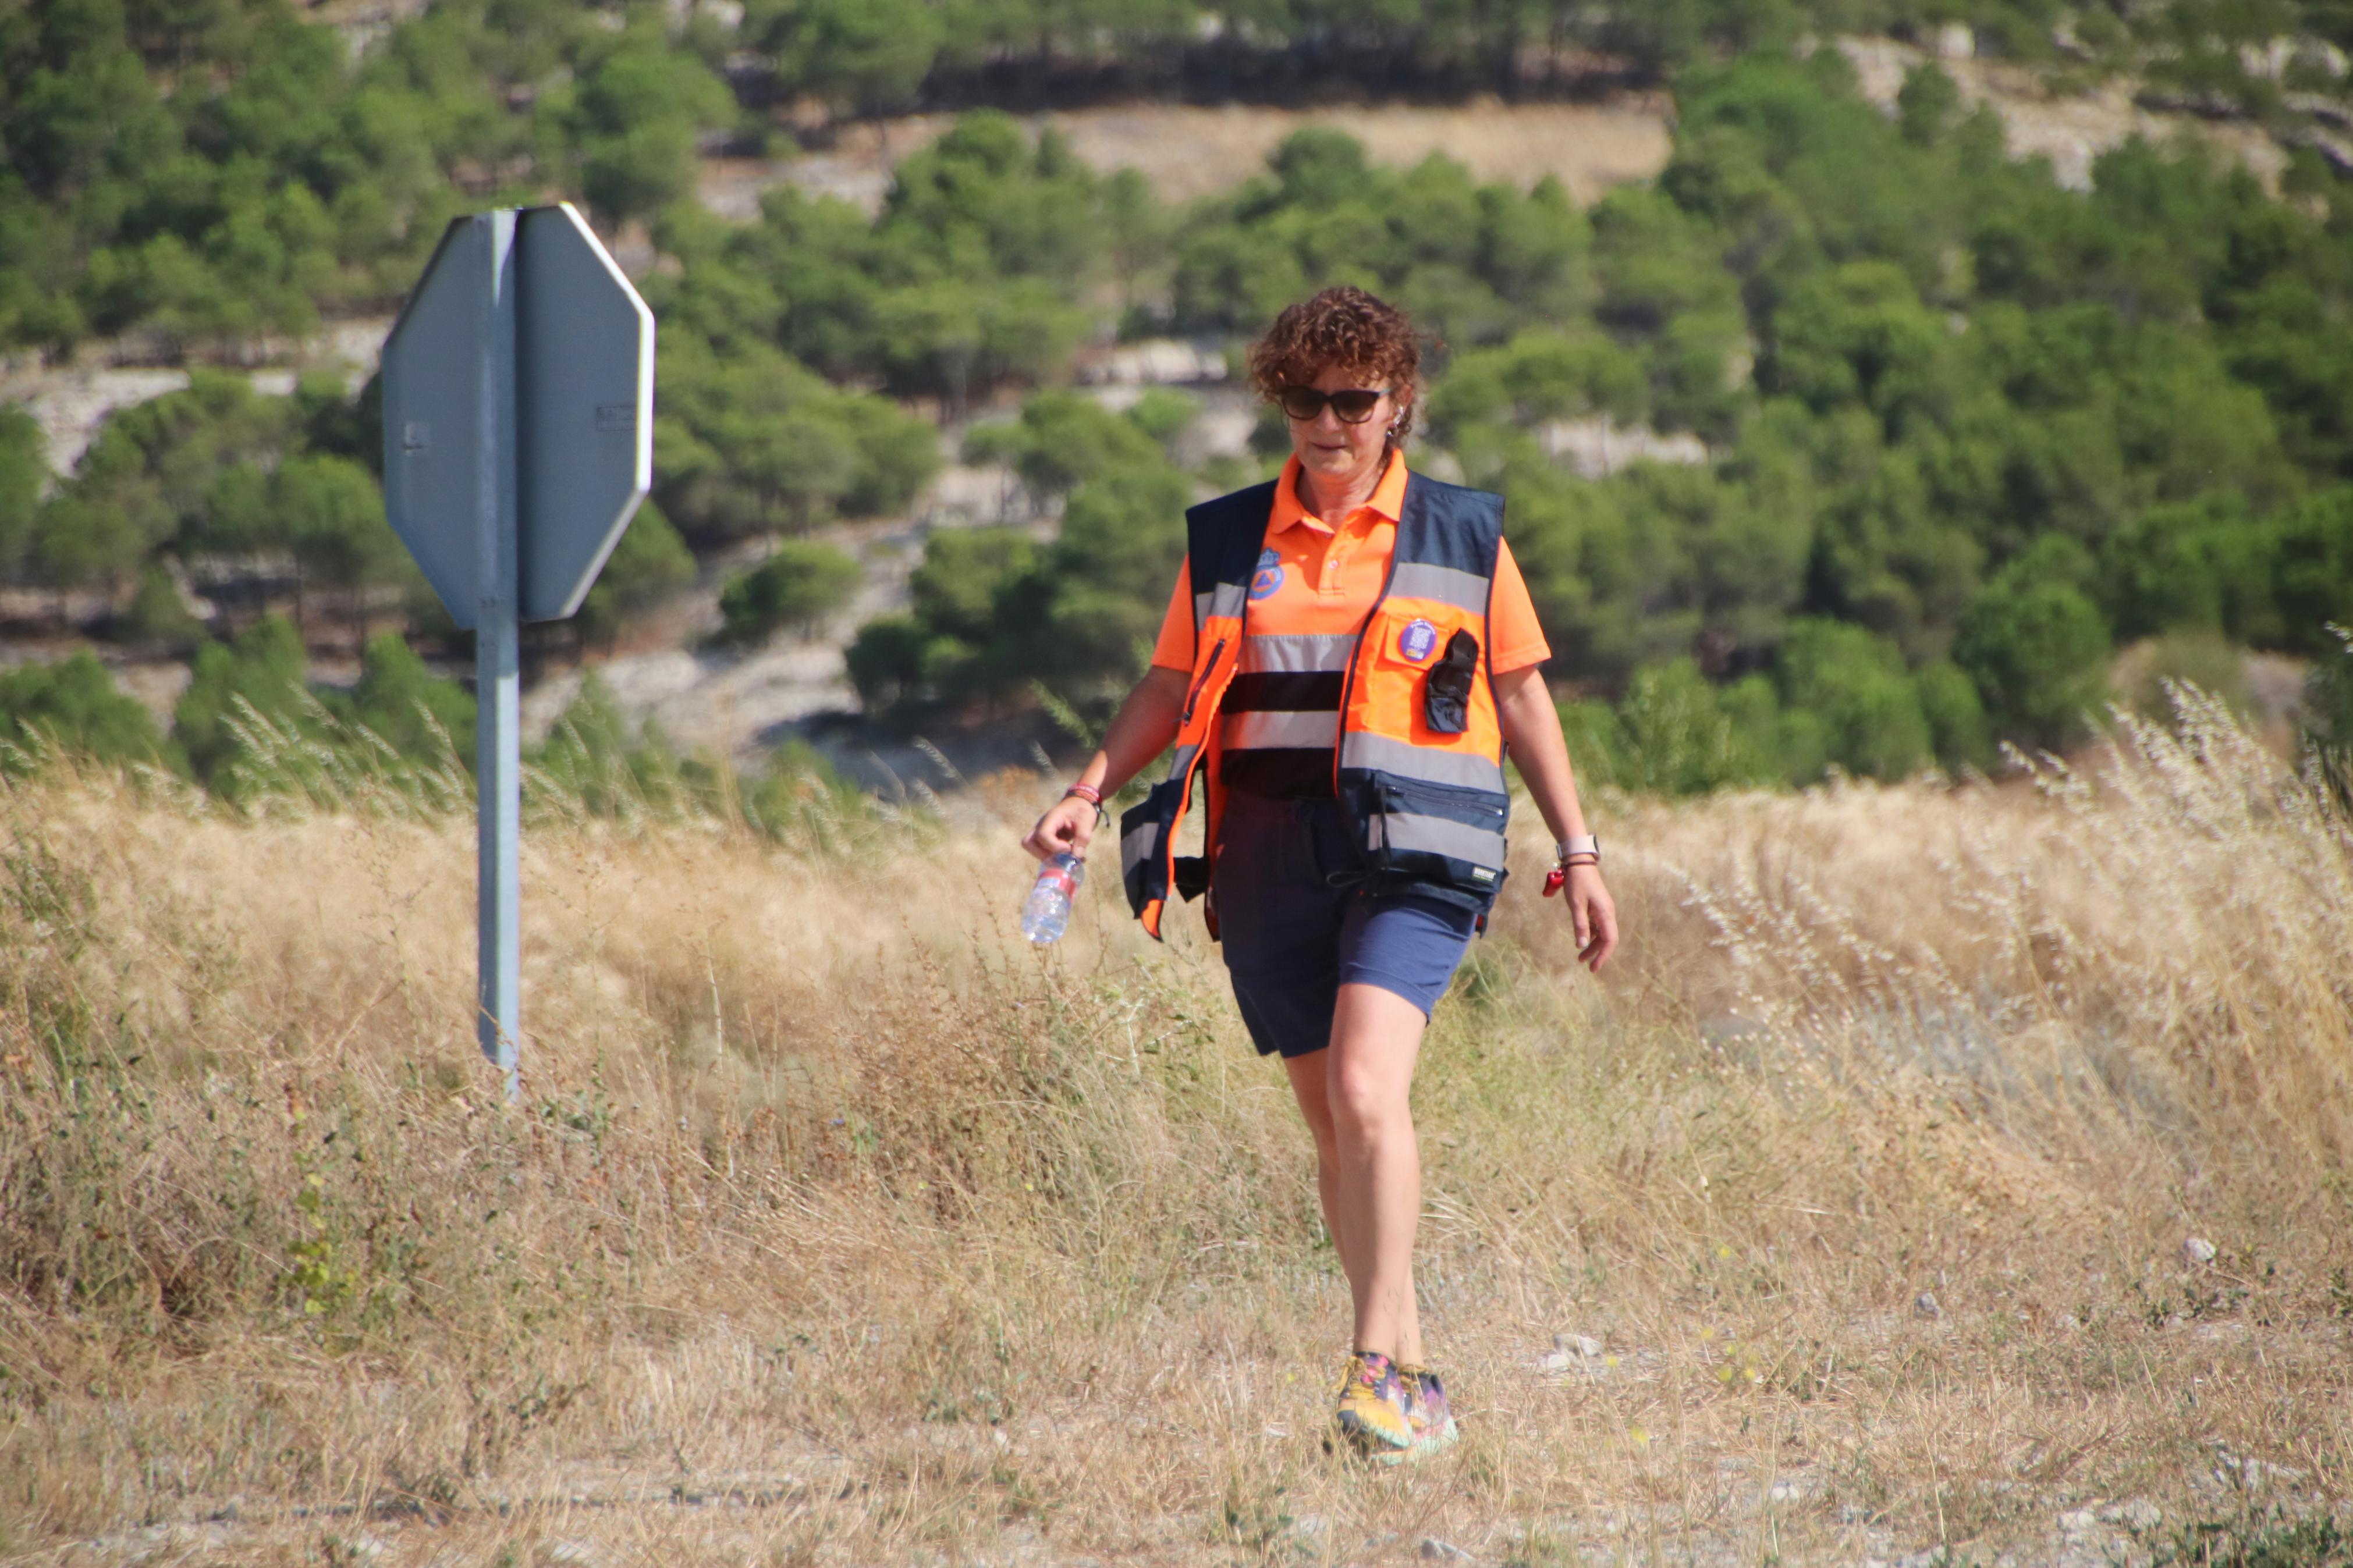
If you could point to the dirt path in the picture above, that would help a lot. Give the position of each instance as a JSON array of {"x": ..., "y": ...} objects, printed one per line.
[{"x": 1189, "y": 151}]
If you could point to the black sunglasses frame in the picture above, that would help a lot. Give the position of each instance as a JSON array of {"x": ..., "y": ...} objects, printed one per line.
[{"x": 1373, "y": 396}]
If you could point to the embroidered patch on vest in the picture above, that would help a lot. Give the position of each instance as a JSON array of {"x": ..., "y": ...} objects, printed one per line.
[
  {"x": 1414, "y": 642},
  {"x": 1270, "y": 573}
]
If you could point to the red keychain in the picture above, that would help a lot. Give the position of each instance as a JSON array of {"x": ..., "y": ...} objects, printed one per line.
[{"x": 1555, "y": 880}]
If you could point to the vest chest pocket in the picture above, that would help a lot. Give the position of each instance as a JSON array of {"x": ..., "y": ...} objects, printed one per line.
[
  {"x": 1446, "y": 690},
  {"x": 1428, "y": 658}
]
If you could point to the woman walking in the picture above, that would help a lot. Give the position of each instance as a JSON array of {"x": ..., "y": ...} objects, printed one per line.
[{"x": 1347, "y": 654}]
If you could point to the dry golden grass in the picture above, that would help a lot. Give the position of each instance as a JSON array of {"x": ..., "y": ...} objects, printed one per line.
[{"x": 840, "y": 1227}]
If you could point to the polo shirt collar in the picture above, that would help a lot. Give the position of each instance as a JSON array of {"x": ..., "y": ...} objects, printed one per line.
[{"x": 1387, "y": 500}]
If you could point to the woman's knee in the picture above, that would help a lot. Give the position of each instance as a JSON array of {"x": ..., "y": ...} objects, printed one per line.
[
  {"x": 1368, "y": 1075},
  {"x": 1364, "y": 1101}
]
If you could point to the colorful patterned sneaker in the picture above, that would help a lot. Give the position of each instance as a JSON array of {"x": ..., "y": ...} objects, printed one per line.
[
  {"x": 1372, "y": 1414},
  {"x": 1426, "y": 1413}
]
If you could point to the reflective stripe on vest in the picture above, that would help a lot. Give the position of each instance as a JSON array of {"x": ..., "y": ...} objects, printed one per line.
[
  {"x": 1419, "y": 762},
  {"x": 1282, "y": 712}
]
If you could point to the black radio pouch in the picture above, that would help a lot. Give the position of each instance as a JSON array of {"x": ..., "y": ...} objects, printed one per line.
[{"x": 1446, "y": 690}]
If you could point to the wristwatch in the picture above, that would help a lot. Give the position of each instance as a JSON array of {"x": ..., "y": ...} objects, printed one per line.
[{"x": 1584, "y": 844}]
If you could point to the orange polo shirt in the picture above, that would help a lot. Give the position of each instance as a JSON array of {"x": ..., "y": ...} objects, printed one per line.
[{"x": 1324, "y": 580}]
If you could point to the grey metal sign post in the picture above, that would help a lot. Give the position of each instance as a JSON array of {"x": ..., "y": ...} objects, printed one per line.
[{"x": 518, "y": 441}]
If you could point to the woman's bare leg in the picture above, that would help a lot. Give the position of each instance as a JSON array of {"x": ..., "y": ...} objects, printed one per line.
[{"x": 1356, "y": 1097}]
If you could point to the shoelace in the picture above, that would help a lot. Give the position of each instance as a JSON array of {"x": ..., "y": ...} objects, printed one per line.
[{"x": 1360, "y": 1372}]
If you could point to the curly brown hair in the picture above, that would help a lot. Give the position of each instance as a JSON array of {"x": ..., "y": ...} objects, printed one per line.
[{"x": 1348, "y": 328}]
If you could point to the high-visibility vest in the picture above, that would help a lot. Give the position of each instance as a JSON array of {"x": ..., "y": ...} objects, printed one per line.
[{"x": 1418, "y": 770}]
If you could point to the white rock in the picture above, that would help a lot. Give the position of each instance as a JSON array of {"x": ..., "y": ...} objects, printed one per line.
[
  {"x": 2252, "y": 1473},
  {"x": 2081, "y": 1521},
  {"x": 1789, "y": 1491},
  {"x": 1578, "y": 1345},
  {"x": 2138, "y": 1513},
  {"x": 1924, "y": 1305},
  {"x": 1436, "y": 1551},
  {"x": 1597, "y": 446},
  {"x": 1158, "y": 361},
  {"x": 2197, "y": 1251}
]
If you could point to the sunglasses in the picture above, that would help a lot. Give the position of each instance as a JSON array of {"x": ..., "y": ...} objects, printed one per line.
[{"x": 1353, "y": 406}]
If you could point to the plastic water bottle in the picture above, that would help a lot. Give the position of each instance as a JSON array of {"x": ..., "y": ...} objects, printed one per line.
[{"x": 1048, "y": 912}]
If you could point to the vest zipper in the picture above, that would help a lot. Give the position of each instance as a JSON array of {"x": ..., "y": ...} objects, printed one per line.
[
  {"x": 1193, "y": 698},
  {"x": 1356, "y": 655}
]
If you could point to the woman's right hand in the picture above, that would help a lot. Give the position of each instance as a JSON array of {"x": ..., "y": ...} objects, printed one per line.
[{"x": 1067, "y": 828}]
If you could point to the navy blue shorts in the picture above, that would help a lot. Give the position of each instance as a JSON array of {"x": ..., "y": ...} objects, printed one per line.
[{"x": 1292, "y": 940}]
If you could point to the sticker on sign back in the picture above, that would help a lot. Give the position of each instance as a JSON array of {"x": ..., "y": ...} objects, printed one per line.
[{"x": 1416, "y": 642}]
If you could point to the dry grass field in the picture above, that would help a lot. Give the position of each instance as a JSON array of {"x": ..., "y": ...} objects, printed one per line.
[{"x": 1844, "y": 1219}]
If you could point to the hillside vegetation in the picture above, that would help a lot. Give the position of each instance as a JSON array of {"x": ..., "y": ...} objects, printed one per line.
[
  {"x": 1844, "y": 1218},
  {"x": 1968, "y": 432}
]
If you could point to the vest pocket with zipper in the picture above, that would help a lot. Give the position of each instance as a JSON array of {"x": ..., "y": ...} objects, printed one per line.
[{"x": 1422, "y": 831}]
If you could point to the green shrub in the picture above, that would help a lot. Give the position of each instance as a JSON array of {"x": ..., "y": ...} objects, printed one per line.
[
  {"x": 1853, "y": 682},
  {"x": 158, "y": 615},
  {"x": 865, "y": 56},
  {"x": 1060, "y": 440},
  {"x": 648, "y": 564},
  {"x": 1162, "y": 412},
  {"x": 2313, "y": 571},
  {"x": 427, "y": 720},
  {"x": 1103, "y": 585},
  {"x": 1597, "y": 742},
  {"x": 994, "y": 612},
  {"x": 634, "y": 116},
  {"x": 750, "y": 442},
  {"x": 2037, "y": 648},
  {"x": 796, "y": 587},
  {"x": 886, "y": 661},
  {"x": 1676, "y": 737},
  {"x": 2202, "y": 566},
  {"x": 1957, "y": 728},
  {"x": 72, "y": 705},
  {"x": 261, "y": 671}
]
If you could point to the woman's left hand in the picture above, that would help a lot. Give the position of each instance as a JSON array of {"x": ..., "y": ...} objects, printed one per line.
[{"x": 1593, "y": 915}]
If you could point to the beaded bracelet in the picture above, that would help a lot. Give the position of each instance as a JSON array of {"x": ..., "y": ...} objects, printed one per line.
[{"x": 1092, "y": 796}]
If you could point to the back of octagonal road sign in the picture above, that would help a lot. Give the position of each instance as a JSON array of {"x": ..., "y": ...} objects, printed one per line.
[
  {"x": 584, "y": 382},
  {"x": 441, "y": 427}
]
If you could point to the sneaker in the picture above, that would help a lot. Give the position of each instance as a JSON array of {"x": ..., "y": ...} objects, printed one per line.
[
  {"x": 1426, "y": 1413},
  {"x": 1372, "y": 1414}
]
